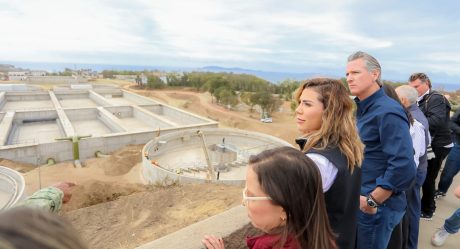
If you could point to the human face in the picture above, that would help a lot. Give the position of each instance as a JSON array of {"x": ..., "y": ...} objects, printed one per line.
[
  {"x": 420, "y": 86},
  {"x": 361, "y": 82},
  {"x": 309, "y": 113},
  {"x": 263, "y": 214}
]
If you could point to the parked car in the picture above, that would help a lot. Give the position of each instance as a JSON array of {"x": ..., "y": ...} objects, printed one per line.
[{"x": 266, "y": 120}]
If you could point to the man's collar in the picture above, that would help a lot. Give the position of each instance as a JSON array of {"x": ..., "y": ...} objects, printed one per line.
[{"x": 421, "y": 97}]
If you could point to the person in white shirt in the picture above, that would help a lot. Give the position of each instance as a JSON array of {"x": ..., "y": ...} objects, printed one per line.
[{"x": 330, "y": 138}]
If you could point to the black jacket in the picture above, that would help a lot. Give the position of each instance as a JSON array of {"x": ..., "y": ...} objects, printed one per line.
[
  {"x": 437, "y": 109},
  {"x": 455, "y": 125}
]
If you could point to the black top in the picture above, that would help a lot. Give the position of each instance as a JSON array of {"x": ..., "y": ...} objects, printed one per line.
[
  {"x": 342, "y": 199},
  {"x": 437, "y": 110},
  {"x": 455, "y": 125}
]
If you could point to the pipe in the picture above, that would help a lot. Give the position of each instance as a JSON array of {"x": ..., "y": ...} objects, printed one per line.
[
  {"x": 99, "y": 154},
  {"x": 50, "y": 161},
  {"x": 210, "y": 174}
]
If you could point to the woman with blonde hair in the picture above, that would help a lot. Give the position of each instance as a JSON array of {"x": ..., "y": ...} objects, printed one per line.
[{"x": 330, "y": 138}]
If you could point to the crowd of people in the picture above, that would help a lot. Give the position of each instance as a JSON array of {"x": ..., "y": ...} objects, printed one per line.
[
  {"x": 372, "y": 165},
  {"x": 355, "y": 182}
]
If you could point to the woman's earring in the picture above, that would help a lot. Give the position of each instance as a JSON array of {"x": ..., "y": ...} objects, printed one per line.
[{"x": 283, "y": 218}]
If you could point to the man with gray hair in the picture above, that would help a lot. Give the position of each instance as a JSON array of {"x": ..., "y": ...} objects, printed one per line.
[
  {"x": 388, "y": 167},
  {"x": 408, "y": 97},
  {"x": 437, "y": 111}
]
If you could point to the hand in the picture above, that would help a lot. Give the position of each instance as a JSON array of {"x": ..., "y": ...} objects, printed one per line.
[
  {"x": 66, "y": 188},
  {"x": 212, "y": 242},
  {"x": 364, "y": 207}
]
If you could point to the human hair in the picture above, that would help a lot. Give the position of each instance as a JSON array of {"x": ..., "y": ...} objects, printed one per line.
[
  {"x": 390, "y": 92},
  {"x": 422, "y": 77},
  {"x": 372, "y": 64},
  {"x": 408, "y": 92},
  {"x": 338, "y": 126},
  {"x": 293, "y": 182},
  {"x": 25, "y": 228}
]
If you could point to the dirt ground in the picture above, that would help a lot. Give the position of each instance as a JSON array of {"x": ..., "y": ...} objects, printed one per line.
[{"x": 112, "y": 208}]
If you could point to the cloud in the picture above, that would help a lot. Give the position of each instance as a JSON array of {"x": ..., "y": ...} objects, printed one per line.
[{"x": 269, "y": 35}]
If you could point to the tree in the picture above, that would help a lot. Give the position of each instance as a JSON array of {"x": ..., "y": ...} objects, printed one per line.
[
  {"x": 266, "y": 101},
  {"x": 154, "y": 82}
]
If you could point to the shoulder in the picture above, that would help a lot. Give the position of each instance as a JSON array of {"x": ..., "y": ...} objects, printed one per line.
[{"x": 324, "y": 164}]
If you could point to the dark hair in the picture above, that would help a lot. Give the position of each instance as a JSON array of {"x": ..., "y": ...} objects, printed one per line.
[
  {"x": 422, "y": 77},
  {"x": 25, "y": 228},
  {"x": 390, "y": 92},
  {"x": 293, "y": 182}
]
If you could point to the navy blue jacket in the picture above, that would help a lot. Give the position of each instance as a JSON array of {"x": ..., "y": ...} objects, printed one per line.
[{"x": 388, "y": 155}]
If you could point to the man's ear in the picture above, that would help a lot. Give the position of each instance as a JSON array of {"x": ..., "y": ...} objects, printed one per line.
[{"x": 375, "y": 74}]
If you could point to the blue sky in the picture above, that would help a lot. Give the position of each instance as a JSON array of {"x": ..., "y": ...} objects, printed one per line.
[{"x": 291, "y": 36}]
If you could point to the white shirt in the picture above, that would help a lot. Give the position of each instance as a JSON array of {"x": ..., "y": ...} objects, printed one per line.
[
  {"x": 326, "y": 168},
  {"x": 417, "y": 133}
]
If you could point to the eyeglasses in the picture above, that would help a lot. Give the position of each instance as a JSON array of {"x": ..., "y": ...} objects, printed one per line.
[{"x": 246, "y": 199}]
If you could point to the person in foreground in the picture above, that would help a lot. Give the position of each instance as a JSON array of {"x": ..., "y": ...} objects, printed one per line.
[
  {"x": 451, "y": 225},
  {"x": 330, "y": 138},
  {"x": 37, "y": 228},
  {"x": 284, "y": 199}
]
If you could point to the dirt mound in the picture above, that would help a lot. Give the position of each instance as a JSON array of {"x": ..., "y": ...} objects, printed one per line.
[
  {"x": 133, "y": 220},
  {"x": 94, "y": 192},
  {"x": 122, "y": 161},
  {"x": 21, "y": 167}
]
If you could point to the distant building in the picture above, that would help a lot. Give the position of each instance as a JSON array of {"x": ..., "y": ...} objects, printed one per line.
[
  {"x": 17, "y": 75},
  {"x": 38, "y": 73}
]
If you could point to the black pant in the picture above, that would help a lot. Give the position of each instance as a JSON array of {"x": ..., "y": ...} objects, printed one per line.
[{"x": 428, "y": 188}]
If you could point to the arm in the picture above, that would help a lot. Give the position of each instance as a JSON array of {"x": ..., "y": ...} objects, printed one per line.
[
  {"x": 454, "y": 123},
  {"x": 397, "y": 146},
  {"x": 49, "y": 198},
  {"x": 436, "y": 111}
]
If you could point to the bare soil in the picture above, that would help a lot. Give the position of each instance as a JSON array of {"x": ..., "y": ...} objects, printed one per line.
[{"x": 112, "y": 208}]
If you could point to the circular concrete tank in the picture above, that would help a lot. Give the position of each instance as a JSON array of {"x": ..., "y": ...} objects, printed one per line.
[
  {"x": 182, "y": 157},
  {"x": 12, "y": 187}
]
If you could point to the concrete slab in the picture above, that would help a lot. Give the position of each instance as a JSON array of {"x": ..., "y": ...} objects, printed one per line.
[
  {"x": 134, "y": 124},
  {"x": 27, "y": 105},
  {"x": 81, "y": 103},
  {"x": 118, "y": 100},
  {"x": 90, "y": 127},
  {"x": 35, "y": 132}
]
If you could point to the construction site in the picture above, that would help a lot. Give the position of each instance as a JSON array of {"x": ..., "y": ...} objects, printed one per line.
[{"x": 153, "y": 169}]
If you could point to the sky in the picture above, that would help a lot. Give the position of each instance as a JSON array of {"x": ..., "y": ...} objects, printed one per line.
[{"x": 270, "y": 35}]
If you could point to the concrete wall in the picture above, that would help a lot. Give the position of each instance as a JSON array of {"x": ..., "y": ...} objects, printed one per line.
[
  {"x": 2, "y": 99},
  {"x": 81, "y": 114},
  {"x": 174, "y": 141},
  {"x": 114, "y": 124},
  {"x": 176, "y": 115},
  {"x": 111, "y": 142},
  {"x": 38, "y": 153},
  {"x": 138, "y": 99},
  {"x": 154, "y": 121},
  {"x": 100, "y": 100},
  {"x": 83, "y": 95},
  {"x": 54, "y": 79},
  {"x": 5, "y": 127},
  {"x": 27, "y": 96},
  {"x": 20, "y": 116},
  {"x": 121, "y": 111}
]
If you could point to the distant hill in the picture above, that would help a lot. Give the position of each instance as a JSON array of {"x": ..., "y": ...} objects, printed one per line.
[
  {"x": 273, "y": 77},
  {"x": 449, "y": 82}
]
